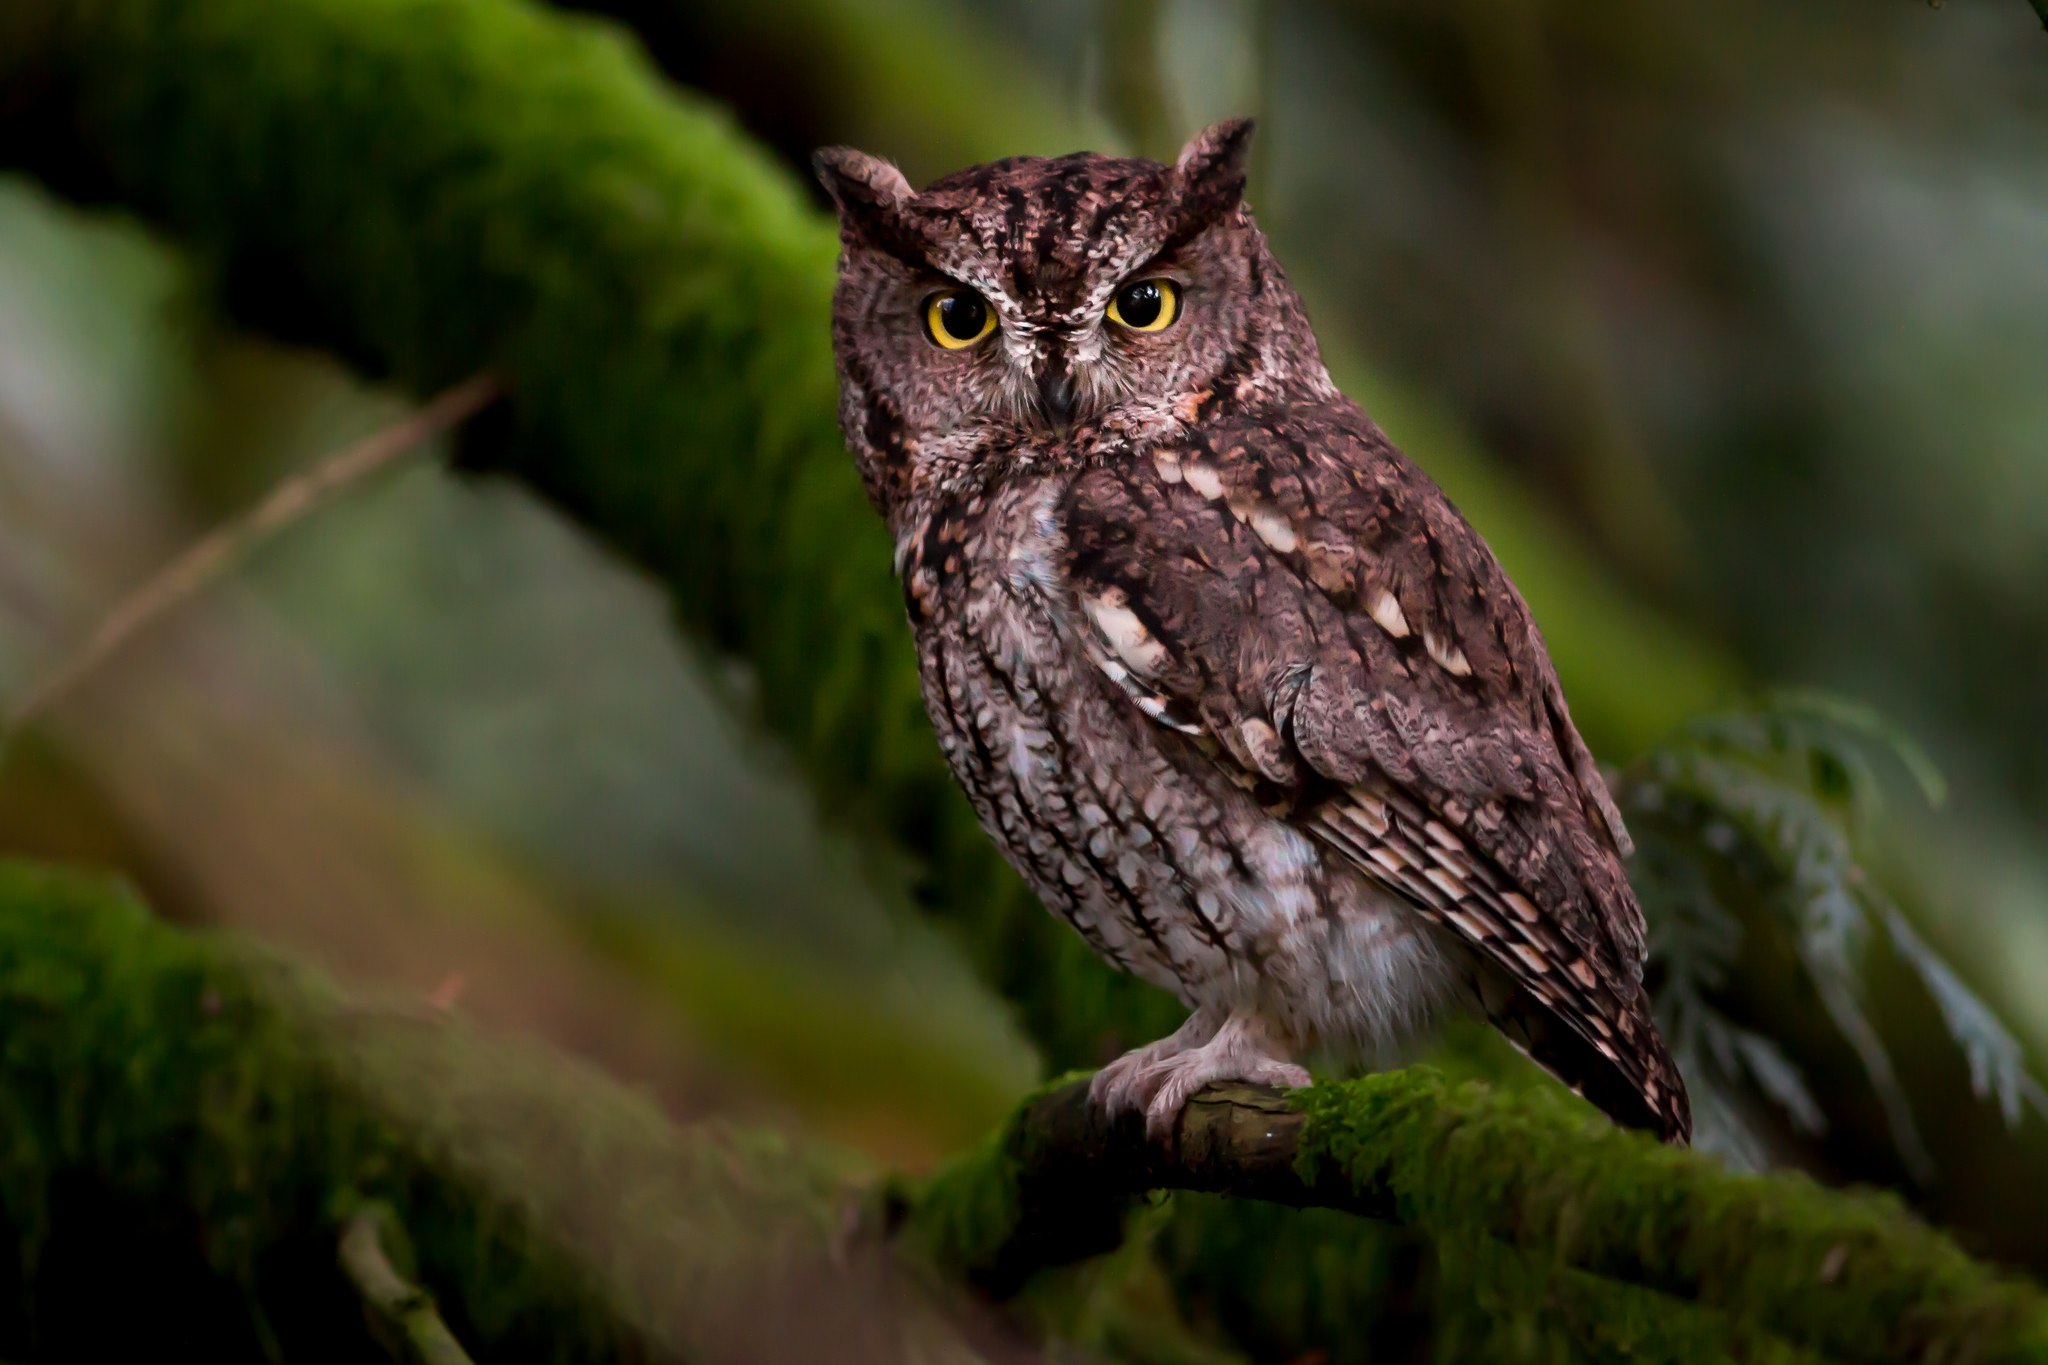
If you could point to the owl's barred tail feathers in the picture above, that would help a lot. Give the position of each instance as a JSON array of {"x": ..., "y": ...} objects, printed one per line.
[{"x": 1653, "y": 1100}]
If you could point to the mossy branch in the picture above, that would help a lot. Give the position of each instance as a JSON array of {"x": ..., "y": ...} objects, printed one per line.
[
  {"x": 1852, "y": 1277},
  {"x": 230, "y": 1113}
]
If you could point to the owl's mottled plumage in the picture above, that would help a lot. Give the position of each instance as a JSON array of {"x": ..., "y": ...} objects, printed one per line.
[{"x": 1235, "y": 687}]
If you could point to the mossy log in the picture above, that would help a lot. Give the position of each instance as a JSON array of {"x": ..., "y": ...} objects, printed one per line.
[
  {"x": 187, "y": 1125},
  {"x": 1513, "y": 1187}
]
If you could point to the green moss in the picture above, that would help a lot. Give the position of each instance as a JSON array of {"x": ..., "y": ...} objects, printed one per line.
[
  {"x": 966, "y": 1217},
  {"x": 1531, "y": 1229},
  {"x": 1496, "y": 1304},
  {"x": 1352, "y": 1291},
  {"x": 1849, "y": 1275},
  {"x": 184, "y": 1122}
]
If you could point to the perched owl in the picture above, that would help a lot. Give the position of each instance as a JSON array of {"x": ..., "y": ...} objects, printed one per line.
[{"x": 1236, "y": 689}]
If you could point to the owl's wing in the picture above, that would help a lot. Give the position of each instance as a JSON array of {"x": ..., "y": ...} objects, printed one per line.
[{"x": 1313, "y": 613}]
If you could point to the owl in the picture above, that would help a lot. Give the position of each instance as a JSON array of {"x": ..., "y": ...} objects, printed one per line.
[{"x": 1237, "y": 690}]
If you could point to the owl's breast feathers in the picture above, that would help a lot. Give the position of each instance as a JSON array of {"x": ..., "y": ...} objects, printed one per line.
[{"x": 1302, "y": 600}]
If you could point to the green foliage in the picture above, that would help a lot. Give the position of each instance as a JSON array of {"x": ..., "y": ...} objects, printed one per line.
[{"x": 1748, "y": 824}]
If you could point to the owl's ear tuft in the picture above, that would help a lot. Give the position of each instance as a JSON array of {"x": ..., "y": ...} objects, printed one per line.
[
  {"x": 1210, "y": 173},
  {"x": 866, "y": 189}
]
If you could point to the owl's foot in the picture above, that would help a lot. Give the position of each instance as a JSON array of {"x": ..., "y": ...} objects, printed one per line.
[
  {"x": 1131, "y": 1080},
  {"x": 1161, "y": 1077}
]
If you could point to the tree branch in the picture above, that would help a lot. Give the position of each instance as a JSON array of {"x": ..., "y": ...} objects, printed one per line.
[
  {"x": 1849, "y": 1276},
  {"x": 210, "y": 557},
  {"x": 402, "y": 1315}
]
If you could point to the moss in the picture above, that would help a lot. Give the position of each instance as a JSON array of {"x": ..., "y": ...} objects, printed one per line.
[
  {"x": 1499, "y": 1305},
  {"x": 225, "y": 1111},
  {"x": 1846, "y": 1274},
  {"x": 1330, "y": 1285},
  {"x": 968, "y": 1215},
  {"x": 1539, "y": 1232},
  {"x": 1336, "y": 1287}
]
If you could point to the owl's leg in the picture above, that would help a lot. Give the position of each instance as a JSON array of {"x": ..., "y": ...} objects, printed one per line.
[{"x": 1161, "y": 1078}]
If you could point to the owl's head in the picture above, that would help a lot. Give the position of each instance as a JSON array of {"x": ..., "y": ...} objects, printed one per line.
[{"x": 1017, "y": 305}]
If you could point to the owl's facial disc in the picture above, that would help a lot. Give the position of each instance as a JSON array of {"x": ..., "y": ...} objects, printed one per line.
[{"x": 1010, "y": 305}]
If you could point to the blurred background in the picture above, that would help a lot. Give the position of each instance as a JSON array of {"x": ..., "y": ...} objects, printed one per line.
[{"x": 1728, "y": 324}]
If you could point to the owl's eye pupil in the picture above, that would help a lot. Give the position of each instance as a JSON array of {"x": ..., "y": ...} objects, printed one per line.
[
  {"x": 963, "y": 316},
  {"x": 1139, "y": 304}
]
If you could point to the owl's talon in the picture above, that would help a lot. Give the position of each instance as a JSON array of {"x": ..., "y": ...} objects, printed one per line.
[
  {"x": 1161, "y": 1077},
  {"x": 1129, "y": 1082}
]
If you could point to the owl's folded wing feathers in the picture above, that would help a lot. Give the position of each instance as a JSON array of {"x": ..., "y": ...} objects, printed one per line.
[{"x": 1311, "y": 610}]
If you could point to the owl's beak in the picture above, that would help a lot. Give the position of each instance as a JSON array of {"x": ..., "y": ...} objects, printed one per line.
[{"x": 1058, "y": 400}]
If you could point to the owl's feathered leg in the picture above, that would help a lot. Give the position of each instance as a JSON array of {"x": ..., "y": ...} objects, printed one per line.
[{"x": 1211, "y": 1046}]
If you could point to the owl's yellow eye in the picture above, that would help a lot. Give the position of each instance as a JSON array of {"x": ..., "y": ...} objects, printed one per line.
[
  {"x": 957, "y": 318},
  {"x": 1146, "y": 305}
]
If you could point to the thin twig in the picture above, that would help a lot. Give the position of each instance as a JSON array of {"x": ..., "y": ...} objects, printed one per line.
[
  {"x": 287, "y": 503},
  {"x": 401, "y": 1315}
]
